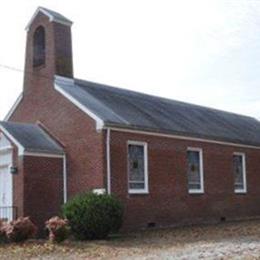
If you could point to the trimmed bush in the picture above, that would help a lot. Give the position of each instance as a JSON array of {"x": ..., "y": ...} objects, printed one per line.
[
  {"x": 58, "y": 229},
  {"x": 93, "y": 216},
  {"x": 20, "y": 230}
]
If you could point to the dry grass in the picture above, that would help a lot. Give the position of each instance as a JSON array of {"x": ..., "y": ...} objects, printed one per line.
[{"x": 225, "y": 241}]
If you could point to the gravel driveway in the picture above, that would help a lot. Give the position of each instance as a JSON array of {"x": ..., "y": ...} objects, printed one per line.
[{"x": 240, "y": 240}]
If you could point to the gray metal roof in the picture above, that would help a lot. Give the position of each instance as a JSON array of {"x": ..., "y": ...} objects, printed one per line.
[
  {"x": 53, "y": 16},
  {"x": 128, "y": 109},
  {"x": 56, "y": 16},
  {"x": 32, "y": 138}
]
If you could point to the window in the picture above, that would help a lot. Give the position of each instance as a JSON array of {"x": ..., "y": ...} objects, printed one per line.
[
  {"x": 239, "y": 170},
  {"x": 39, "y": 47},
  {"x": 137, "y": 167},
  {"x": 195, "y": 170}
]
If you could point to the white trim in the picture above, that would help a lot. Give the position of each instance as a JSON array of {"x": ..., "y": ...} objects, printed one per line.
[
  {"x": 21, "y": 149},
  {"x": 49, "y": 155},
  {"x": 50, "y": 16},
  {"x": 64, "y": 79},
  {"x": 19, "y": 146},
  {"x": 65, "y": 182},
  {"x": 146, "y": 184},
  {"x": 12, "y": 188},
  {"x": 13, "y": 108},
  {"x": 99, "y": 121},
  {"x": 244, "y": 190},
  {"x": 201, "y": 190},
  {"x": 182, "y": 137},
  {"x": 108, "y": 162}
]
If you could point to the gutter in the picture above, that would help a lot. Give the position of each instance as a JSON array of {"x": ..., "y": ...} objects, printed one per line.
[
  {"x": 179, "y": 136},
  {"x": 108, "y": 161},
  {"x": 65, "y": 179}
]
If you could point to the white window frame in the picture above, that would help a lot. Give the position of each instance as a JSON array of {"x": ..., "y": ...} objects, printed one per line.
[
  {"x": 244, "y": 190},
  {"x": 201, "y": 190},
  {"x": 146, "y": 188}
]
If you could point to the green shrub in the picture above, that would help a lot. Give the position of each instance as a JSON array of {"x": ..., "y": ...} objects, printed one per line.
[{"x": 93, "y": 216}]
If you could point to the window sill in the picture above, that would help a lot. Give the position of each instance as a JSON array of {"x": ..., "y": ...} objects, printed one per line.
[
  {"x": 240, "y": 191},
  {"x": 138, "y": 192},
  {"x": 196, "y": 191}
]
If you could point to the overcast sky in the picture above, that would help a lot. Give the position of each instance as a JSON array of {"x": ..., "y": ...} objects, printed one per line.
[{"x": 203, "y": 52}]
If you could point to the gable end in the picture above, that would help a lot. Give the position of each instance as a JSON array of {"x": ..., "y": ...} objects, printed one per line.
[
  {"x": 53, "y": 17},
  {"x": 98, "y": 120}
]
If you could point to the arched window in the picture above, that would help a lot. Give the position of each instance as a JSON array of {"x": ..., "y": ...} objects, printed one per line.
[{"x": 39, "y": 47}]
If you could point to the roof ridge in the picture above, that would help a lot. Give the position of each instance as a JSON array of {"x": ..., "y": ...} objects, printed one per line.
[
  {"x": 54, "y": 13},
  {"x": 25, "y": 136},
  {"x": 53, "y": 16},
  {"x": 167, "y": 99}
]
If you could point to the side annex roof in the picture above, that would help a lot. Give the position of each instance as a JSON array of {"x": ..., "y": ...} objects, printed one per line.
[{"x": 30, "y": 138}]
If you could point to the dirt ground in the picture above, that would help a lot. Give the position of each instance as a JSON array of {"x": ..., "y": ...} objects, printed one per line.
[{"x": 239, "y": 240}]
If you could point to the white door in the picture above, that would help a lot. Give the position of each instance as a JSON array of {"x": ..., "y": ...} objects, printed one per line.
[
  {"x": 5, "y": 193},
  {"x": 6, "y": 196}
]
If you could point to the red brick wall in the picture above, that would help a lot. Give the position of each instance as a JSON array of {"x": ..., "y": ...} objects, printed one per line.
[
  {"x": 43, "y": 188},
  {"x": 83, "y": 145},
  {"x": 168, "y": 201}
]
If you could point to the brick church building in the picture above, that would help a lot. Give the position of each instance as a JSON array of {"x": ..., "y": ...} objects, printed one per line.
[{"x": 170, "y": 162}]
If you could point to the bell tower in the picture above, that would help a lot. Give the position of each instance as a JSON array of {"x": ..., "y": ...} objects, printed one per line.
[{"x": 48, "y": 48}]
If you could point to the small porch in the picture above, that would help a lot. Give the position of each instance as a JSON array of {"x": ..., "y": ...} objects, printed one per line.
[{"x": 32, "y": 173}]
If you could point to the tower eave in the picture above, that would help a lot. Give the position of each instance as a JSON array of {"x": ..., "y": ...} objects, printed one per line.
[{"x": 52, "y": 17}]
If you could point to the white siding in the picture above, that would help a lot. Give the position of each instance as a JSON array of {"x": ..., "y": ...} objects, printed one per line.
[{"x": 6, "y": 186}]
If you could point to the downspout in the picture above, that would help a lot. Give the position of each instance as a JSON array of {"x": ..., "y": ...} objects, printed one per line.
[
  {"x": 108, "y": 162},
  {"x": 64, "y": 179}
]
